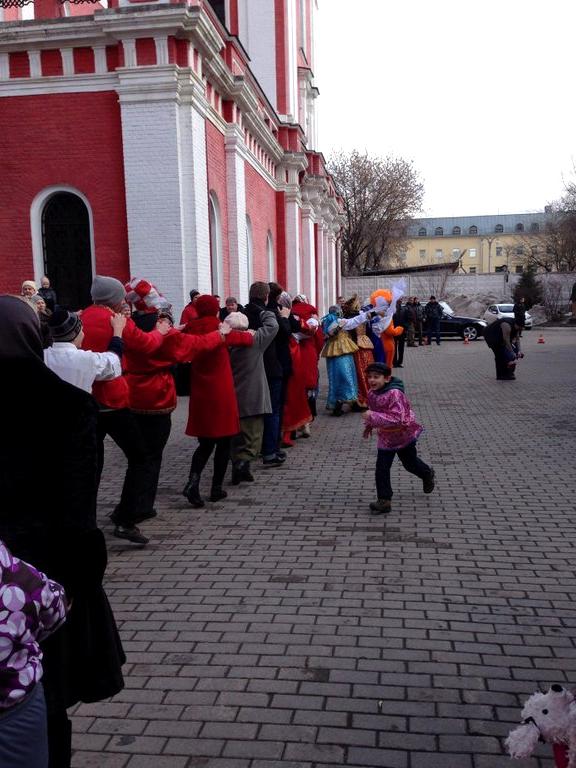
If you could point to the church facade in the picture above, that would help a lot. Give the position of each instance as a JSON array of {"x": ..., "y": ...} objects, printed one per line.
[{"x": 171, "y": 141}]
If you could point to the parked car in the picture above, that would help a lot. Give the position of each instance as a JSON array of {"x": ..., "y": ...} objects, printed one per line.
[
  {"x": 452, "y": 324},
  {"x": 498, "y": 311}
]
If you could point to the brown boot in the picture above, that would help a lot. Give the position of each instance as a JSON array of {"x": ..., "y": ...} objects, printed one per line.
[{"x": 381, "y": 507}]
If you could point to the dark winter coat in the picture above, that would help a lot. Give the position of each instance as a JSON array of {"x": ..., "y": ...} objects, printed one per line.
[
  {"x": 48, "y": 518},
  {"x": 433, "y": 311}
]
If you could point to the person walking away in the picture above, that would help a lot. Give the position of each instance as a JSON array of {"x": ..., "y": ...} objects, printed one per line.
[
  {"x": 398, "y": 318},
  {"x": 410, "y": 321},
  {"x": 212, "y": 409},
  {"x": 23, "y": 724},
  {"x": 520, "y": 312},
  {"x": 48, "y": 294},
  {"x": 390, "y": 413},
  {"x": 80, "y": 366},
  {"x": 113, "y": 397},
  {"x": 251, "y": 384},
  {"x": 83, "y": 659},
  {"x": 152, "y": 387},
  {"x": 433, "y": 312},
  {"x": 503, "y": 338}
]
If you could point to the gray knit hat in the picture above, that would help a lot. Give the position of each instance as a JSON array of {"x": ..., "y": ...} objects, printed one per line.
[
  {"x": 107, "y": 290},
  {"x": 64, "y": 325}
]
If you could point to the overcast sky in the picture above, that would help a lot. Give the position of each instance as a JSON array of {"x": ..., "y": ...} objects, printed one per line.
[{"x": 479, "y": 94}]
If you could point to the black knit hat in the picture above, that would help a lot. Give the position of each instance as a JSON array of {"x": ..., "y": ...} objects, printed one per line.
[
  {"x": 64, "y": 325},
  {"x": 378, "y": 368}
]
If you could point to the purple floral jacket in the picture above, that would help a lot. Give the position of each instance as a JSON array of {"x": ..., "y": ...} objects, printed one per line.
[
  {"x": 393, "y": 418},
  {"x": 31, "y": 608}
]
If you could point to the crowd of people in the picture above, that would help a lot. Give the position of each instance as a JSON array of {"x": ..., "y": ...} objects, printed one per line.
[{"x": 252, "y": 375}]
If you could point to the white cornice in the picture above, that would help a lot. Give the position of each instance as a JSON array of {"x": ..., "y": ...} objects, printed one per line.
[{"x": 26, "y": 86}]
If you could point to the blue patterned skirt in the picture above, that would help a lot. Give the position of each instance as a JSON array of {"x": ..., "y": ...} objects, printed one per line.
[{"x": 342, "y": 381}]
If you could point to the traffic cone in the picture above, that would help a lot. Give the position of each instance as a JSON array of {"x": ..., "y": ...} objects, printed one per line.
[
  {"x": 541, "y": 339},
  {"x": 466, "y": 339}
]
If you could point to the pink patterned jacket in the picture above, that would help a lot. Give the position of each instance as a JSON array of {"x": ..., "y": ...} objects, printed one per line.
[{"x": 392, "y": 417}]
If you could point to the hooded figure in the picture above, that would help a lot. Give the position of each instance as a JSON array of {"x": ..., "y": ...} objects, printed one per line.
[{"x": 59, "y": 535}]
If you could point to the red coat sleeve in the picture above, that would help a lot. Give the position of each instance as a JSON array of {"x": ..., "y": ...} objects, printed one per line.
[
  {"x": 183, "y": 347},
  {"x": 239, "y": 339},
  {"x": 139, "y": 341}
]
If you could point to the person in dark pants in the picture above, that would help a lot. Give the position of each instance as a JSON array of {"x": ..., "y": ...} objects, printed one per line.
[
  {"x": 399, "y": 341},
  {"x": 391, "y": 415},
  {"x": 433, "y": 312},
  {"x": 503, "y": 338},
  {"x": 115, "y": 418},
  {"x": 418, "y": 311}
]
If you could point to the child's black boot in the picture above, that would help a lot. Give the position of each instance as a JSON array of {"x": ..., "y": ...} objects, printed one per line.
[
  {"x": 381, "y": 507},
  {"x": 428, "y": 482}
]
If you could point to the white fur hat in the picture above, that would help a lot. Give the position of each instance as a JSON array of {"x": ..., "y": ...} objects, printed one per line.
[{"x": 237, "y": 321}]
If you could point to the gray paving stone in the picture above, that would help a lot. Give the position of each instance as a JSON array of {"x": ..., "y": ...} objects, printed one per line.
[{"x": 286, "y": 612}]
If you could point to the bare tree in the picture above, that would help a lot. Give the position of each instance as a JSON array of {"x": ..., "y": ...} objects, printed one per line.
[
  {"x": 553, "y": 249},
  {"x": 381, "y": 197}
]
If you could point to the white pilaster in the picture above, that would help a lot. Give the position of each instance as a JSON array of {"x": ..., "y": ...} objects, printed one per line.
[
  {"x": 293, "y": 276},
  {"x": 67, "y": 61},
  {"x": 35, "y": 64},
  {"x": 100, "y": 63},
  {"x": 236, "y": 199},
  {"x": 4, "y": 66},
  {"x": 129, "y": 47},
  {"x": 308, "y": 254},
  {"x": 166, "y": 186},
  {"x": 161, "y": 44},
  {"x": 321, "y": 272}
]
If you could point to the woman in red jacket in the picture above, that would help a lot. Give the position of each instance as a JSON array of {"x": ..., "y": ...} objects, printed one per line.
[
  {"x": 213, "y": 409},
  {"x": 152, "y": 391}
]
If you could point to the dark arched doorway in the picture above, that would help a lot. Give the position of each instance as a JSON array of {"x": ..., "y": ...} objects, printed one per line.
[{"x": 67, "y": 251}]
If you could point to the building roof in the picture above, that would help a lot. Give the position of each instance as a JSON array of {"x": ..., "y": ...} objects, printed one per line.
[
  {"x": 486, "y": 225},
  {"x": 450, "y": 266}
]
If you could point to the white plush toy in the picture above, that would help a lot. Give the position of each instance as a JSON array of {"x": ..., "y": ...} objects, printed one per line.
[{"x": 548, "y": 717}]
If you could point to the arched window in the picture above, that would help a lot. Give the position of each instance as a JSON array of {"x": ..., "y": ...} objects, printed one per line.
[
  {"x": 519, "y": 227},
  {"x": 498, "y": 228},
  {"x": 249, "y": 252},
  {"x": 438, "y": 231},
  {"x": 456, "y": 231},
  {"x": 270, "y": 258},
  {"x": 473, "y": 230},
  {"x": 216, "y": 260},
  {"x": 63, "y": 244},
  {"x": 422, "y": 232},
  {"x": 534, "y": 227}
]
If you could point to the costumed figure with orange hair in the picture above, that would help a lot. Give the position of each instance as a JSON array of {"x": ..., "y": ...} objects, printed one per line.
[
  {"x": 383, "y": 302},
  {"x": 364, "y": 355}
]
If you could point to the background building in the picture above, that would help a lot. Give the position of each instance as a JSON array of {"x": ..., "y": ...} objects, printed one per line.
[
  {"x": 481, "y": 243},
  {"x": 172, "y": 141}
]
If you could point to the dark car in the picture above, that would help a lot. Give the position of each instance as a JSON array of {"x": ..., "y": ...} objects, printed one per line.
[{"x": 457, "y": 325}]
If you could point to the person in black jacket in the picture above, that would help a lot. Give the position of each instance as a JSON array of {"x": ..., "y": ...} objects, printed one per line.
[
  {"x": 503, "y": 338},
  {"x": 399, "y": 318},
  {"x": 48, "y": 294},
  {"x": 83, "y": 659},
  {"x": 433, "y": 312},
  {"x": 278, "y": 365}
]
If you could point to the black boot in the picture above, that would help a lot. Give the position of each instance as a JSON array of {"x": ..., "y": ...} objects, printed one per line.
[
  {"x": 237, "y": 472},
  {"x": 217, "y": 493},
  {"x": 246, "y": 474},
  {"x": 338, "y": 410},
  {"x": 192, "y": 491}
]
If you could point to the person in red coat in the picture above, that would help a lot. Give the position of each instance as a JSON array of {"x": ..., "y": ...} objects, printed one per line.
[
  {"x": 189, "y": 312},
  {"x": 311, "y": 343},
  {"x": 113, "y": 397},
  {"x": 153, "y": 390},
  {"x": 213, "y": 410}
]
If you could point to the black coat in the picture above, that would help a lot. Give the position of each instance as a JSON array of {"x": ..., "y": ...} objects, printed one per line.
[{"x": 48, "y": 487}]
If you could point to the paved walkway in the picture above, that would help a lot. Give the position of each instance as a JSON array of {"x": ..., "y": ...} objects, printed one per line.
[{"x": 286, "y": 627}]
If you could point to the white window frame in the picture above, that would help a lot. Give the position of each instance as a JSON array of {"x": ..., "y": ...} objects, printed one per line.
[
  {"x": 36, "y": 210},
  {"x": 472, "y": 253}
]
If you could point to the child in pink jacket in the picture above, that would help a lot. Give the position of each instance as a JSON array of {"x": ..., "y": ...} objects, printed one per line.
[{"x": 392, "y": 417}]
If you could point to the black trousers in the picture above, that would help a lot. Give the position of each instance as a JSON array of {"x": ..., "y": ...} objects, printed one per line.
[
  {"x": 123, "y": 428},
  {"x": 399, "y": 343},
  {"x": 221, "y": 457},
  {"x": 503, "y": 370},
  {"x": 155, "y": 430},
  {"x": 433, "y": 330},
  {"x": 410, "y": 461}
]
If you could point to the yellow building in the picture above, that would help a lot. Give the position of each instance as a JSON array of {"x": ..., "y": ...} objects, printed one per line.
[{"x": 480, "y": 243}]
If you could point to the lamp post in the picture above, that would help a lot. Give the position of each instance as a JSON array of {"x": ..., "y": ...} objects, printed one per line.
[{"x": 489, "y": 240}]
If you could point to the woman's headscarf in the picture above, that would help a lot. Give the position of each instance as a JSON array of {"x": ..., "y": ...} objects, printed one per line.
[{"x": 20, "y": 335}]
